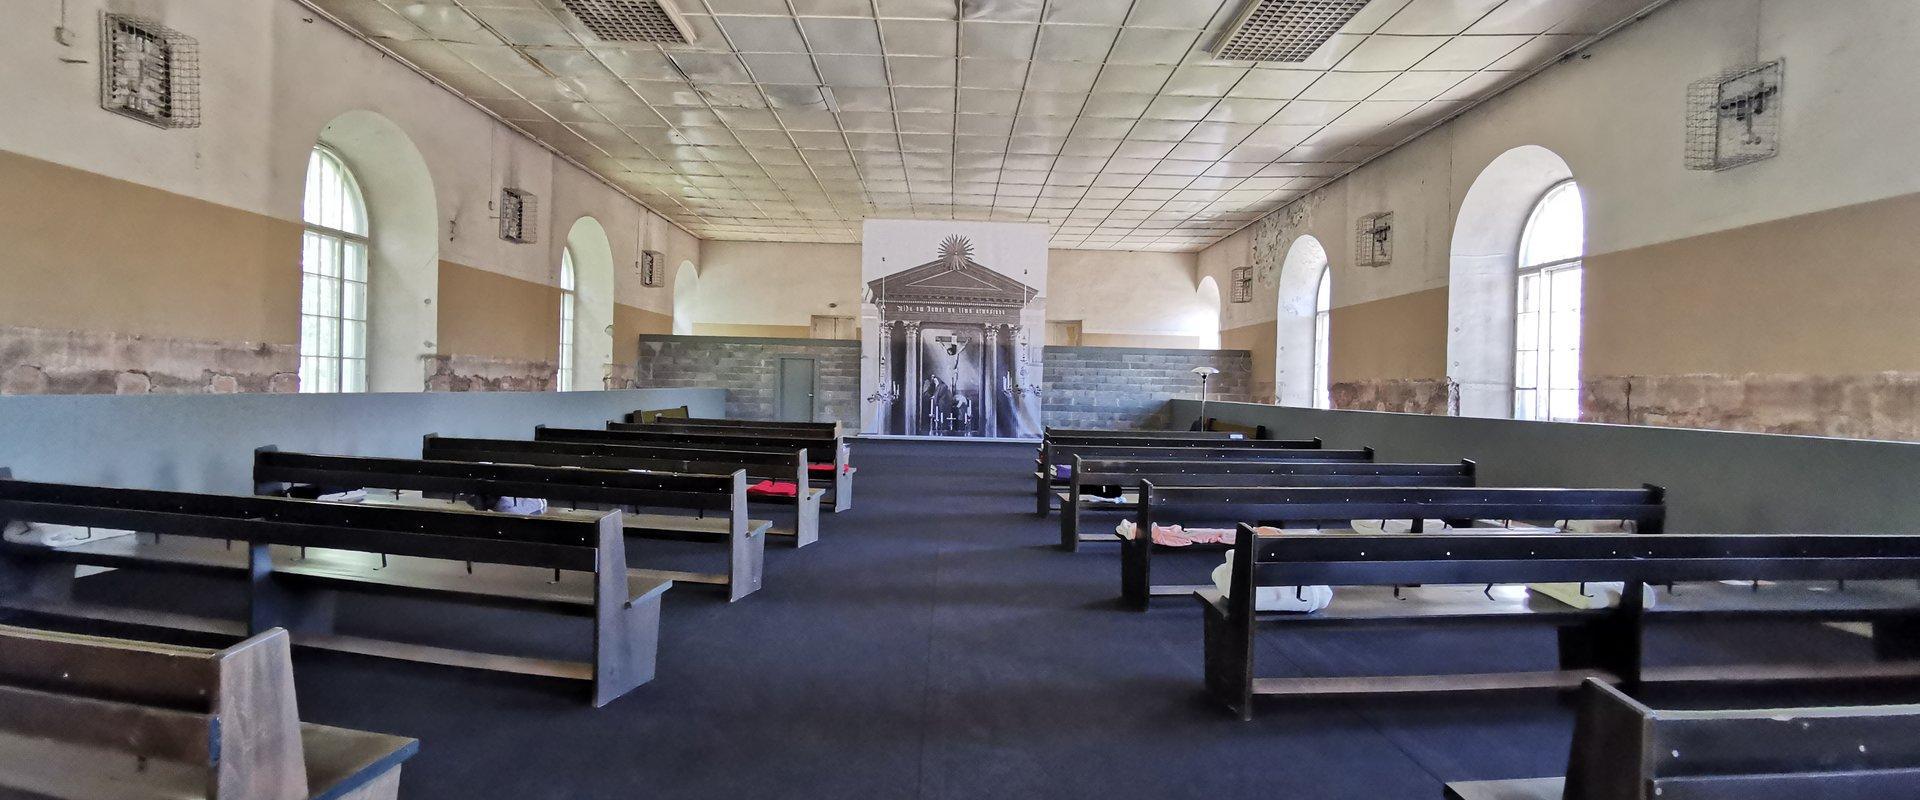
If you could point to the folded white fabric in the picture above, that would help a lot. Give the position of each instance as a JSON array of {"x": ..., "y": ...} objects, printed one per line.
[
  {"x": 1094, "y": 498},
  {"x": 1300, "y": 599},
  {"x": 1599, "y": 594},
  {"x": 349, "y": 496},
  {"x": 531, "y": 506},
  {"x": 45, "y": 535},
  {"x": 1395, "y": 525}
]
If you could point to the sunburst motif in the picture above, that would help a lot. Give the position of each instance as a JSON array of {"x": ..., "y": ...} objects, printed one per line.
[{"x": 955, "y": 248}]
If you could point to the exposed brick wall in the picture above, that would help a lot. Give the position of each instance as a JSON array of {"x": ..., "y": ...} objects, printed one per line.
[
  {"x": 1406, "y": 395},
  {"x": 1883, "y": 405},
  {"x": 749, "y": 369},
  {"x": 459, "y": 373},
  {"x": 43, "y": 361},
  {"x": 1125, "y": 387}
]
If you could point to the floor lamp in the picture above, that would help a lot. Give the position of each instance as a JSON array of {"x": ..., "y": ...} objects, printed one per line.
[{"x": 1204, "y": 373}]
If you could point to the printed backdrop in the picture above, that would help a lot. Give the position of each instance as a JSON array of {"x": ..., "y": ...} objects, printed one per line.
[{"x": 952, "y": 327}]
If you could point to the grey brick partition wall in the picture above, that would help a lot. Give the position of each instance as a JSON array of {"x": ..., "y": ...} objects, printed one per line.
[
  {"x": 1084, "y": 387},
  {"x": 749, "y": 369},
  {"x": 1128, "y": 387}
]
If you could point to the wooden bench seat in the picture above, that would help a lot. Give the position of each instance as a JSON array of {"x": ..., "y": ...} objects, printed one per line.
[
  {"x": 822, "y": 449},
  {"x": 790, "y": 466},
  {"x": 685, "y": 420},
  {"x": 1053, "y": 455},
  {"x": 1624, "y": 749},
  {"x": 1331, "y": 474},
  {"x": 290, "y": 556},
  {"x": 92, "y": 718},
  {"x": 1452, "y": 569},
  {"x": 1313, "y": 506},
  {"x": 279, "y": 473}
]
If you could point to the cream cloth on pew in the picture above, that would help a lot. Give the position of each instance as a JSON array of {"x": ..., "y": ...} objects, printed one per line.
[
  {"x": 1299, "y": 599},
  {"x": 1599, "y": 594},
  {"x": 46, "y": 535}
]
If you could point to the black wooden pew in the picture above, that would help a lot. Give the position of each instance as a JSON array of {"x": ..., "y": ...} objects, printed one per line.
[
  {"x": 276, "y": 473},
  {"x": 640, "y": 417},
  {"x": 1057, "y": 454},
  {"x": 768, "y": 465},
  {"x": 87, "y": 716},
  {"x": 1051, "y": 433},
  {"x": 1624, "y": 749},
  {"x": 1305, "y": 507},
  {"x": 294, "y": 554},
  {"x": 822, "y": 448},
  {"x": 1606, "y": 643},
  {"x": 1120, "y": 473}
]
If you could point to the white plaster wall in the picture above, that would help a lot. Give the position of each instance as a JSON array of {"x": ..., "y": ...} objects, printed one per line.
[
  {"x": 1616, "y": 114},
  {"x": 1128, "y": 293},
  {"x": 768, "y": 283},
  {"x": 272, "y": 74}
]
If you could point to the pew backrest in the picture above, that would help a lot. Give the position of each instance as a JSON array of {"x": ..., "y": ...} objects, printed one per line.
[
  {"x": 1625, "y": 750},
  {"x": 230, "y": 713},
  {"x": 1645, "y": 507},
  {"x": 1064, "y": 453},
  {"x": 772, "y": 465},
  {"x": 1089, "y": 433},
  {"x": 703, "y": 423},
  {"x": 275, "y": 471},
  {"x": 1124, "y": 472}
]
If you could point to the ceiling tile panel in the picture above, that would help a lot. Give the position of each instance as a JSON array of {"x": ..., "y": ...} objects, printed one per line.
[{"x": 794, "y": 119}]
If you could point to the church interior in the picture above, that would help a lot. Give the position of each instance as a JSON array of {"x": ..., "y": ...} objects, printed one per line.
[{"x": 1450, "y": 399}]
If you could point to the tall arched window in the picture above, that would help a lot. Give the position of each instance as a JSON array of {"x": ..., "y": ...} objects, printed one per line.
[
  {"x": 1322, "y": 336},
  {"x": 333, "y": 274},
  {"x": 1546, "y": 380},
  {"x": 564, "y": 381}
]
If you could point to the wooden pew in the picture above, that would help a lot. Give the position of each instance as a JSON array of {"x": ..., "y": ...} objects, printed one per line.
[
  {"x": 1089, "y": 473},
  {"x": 1302, "y": 507},
  {"x": 771, "y": 465},
  {"x": 1451, "y": 569},
  {"x": 1053, "y": 454},
  {"x": 1090, "y": 433},
  {"x": 276, "y": 473},
  {"x": 1624, "y": 749},
  {"x": 1249, "y": 431},
  {"x": 677, "y": 412},
  {"x": 92, "y": 717},
  {"x": 839, "y": 483},
  {"x": 293, "y": 555},
  {"x": 830, "y": 428}
]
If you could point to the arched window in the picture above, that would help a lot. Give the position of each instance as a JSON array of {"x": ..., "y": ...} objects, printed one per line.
[
  {"x": 1322, "y": 336},
  {"x": 1546, "y": 380},
  {"x": 333, "y": 275},
  {"x": 564, "y": 381}
]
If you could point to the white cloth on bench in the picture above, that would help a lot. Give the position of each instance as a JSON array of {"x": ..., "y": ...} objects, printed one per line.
[
  {"x": 1299, "y": 599},
  {"x": 46, "y": 535},
  {"x": 1177, "y": 536},
  {"x": 1599, "y": 594}
]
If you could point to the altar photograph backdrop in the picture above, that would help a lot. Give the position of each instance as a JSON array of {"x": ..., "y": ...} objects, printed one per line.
[{"x": 952, "y": 328}]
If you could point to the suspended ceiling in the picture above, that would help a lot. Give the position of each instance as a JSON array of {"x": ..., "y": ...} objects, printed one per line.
[{"x": 793, "y": 120}]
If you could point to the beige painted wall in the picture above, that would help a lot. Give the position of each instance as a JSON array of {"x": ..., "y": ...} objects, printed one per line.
[
  {"x": 195, "y": 232},
  {"x": 1256, "y": 338},
  {"x": 754, "y": 331},
  {"x": 485, "y": 313},
  {"x": 1801, "y": 263},
  {"x": 1831, "y": 293},
  {"x": 628, "y": 325},
  {"x": 1398, "y": 337},
  {"x": 86, "y": 252}
]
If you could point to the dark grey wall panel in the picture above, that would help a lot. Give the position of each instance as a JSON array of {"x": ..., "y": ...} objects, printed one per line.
[
  {"x": 1117, "y": 388},
  {"x": 1717, "y": 481},
  {"x": 206, "y": 442}
]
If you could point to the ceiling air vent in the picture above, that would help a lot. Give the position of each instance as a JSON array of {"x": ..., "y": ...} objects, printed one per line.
[
  {"x": 654, "y": 21},
  {"x": 1287, "y": 31}
]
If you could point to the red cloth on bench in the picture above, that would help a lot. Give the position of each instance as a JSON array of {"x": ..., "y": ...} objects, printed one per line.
[
  {"x": 775, "y": 489},
  {"x": 828, "y": 468}
]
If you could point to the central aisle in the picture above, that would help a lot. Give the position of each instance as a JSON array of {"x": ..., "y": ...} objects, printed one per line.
[{"x": 934, "y": 644}]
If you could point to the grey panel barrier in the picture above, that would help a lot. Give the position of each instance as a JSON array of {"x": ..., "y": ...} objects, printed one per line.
[
  {"x": 205, "y": 442},
  {"x": 1717, "y": 481}
]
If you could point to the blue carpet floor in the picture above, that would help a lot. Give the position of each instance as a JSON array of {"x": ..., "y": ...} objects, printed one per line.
[{"x": 932, "y": 645}]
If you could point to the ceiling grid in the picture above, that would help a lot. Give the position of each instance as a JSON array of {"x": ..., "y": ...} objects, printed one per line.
[{"x": 1108, "y": 120}]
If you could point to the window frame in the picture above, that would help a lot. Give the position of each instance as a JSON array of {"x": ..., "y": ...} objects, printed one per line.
[
  {"x": 348, "y": 364},
  {"x": 1323, "y": 339},
  {"x": 1539, "y": 403},
  {"x": 563, "y": 374}
]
